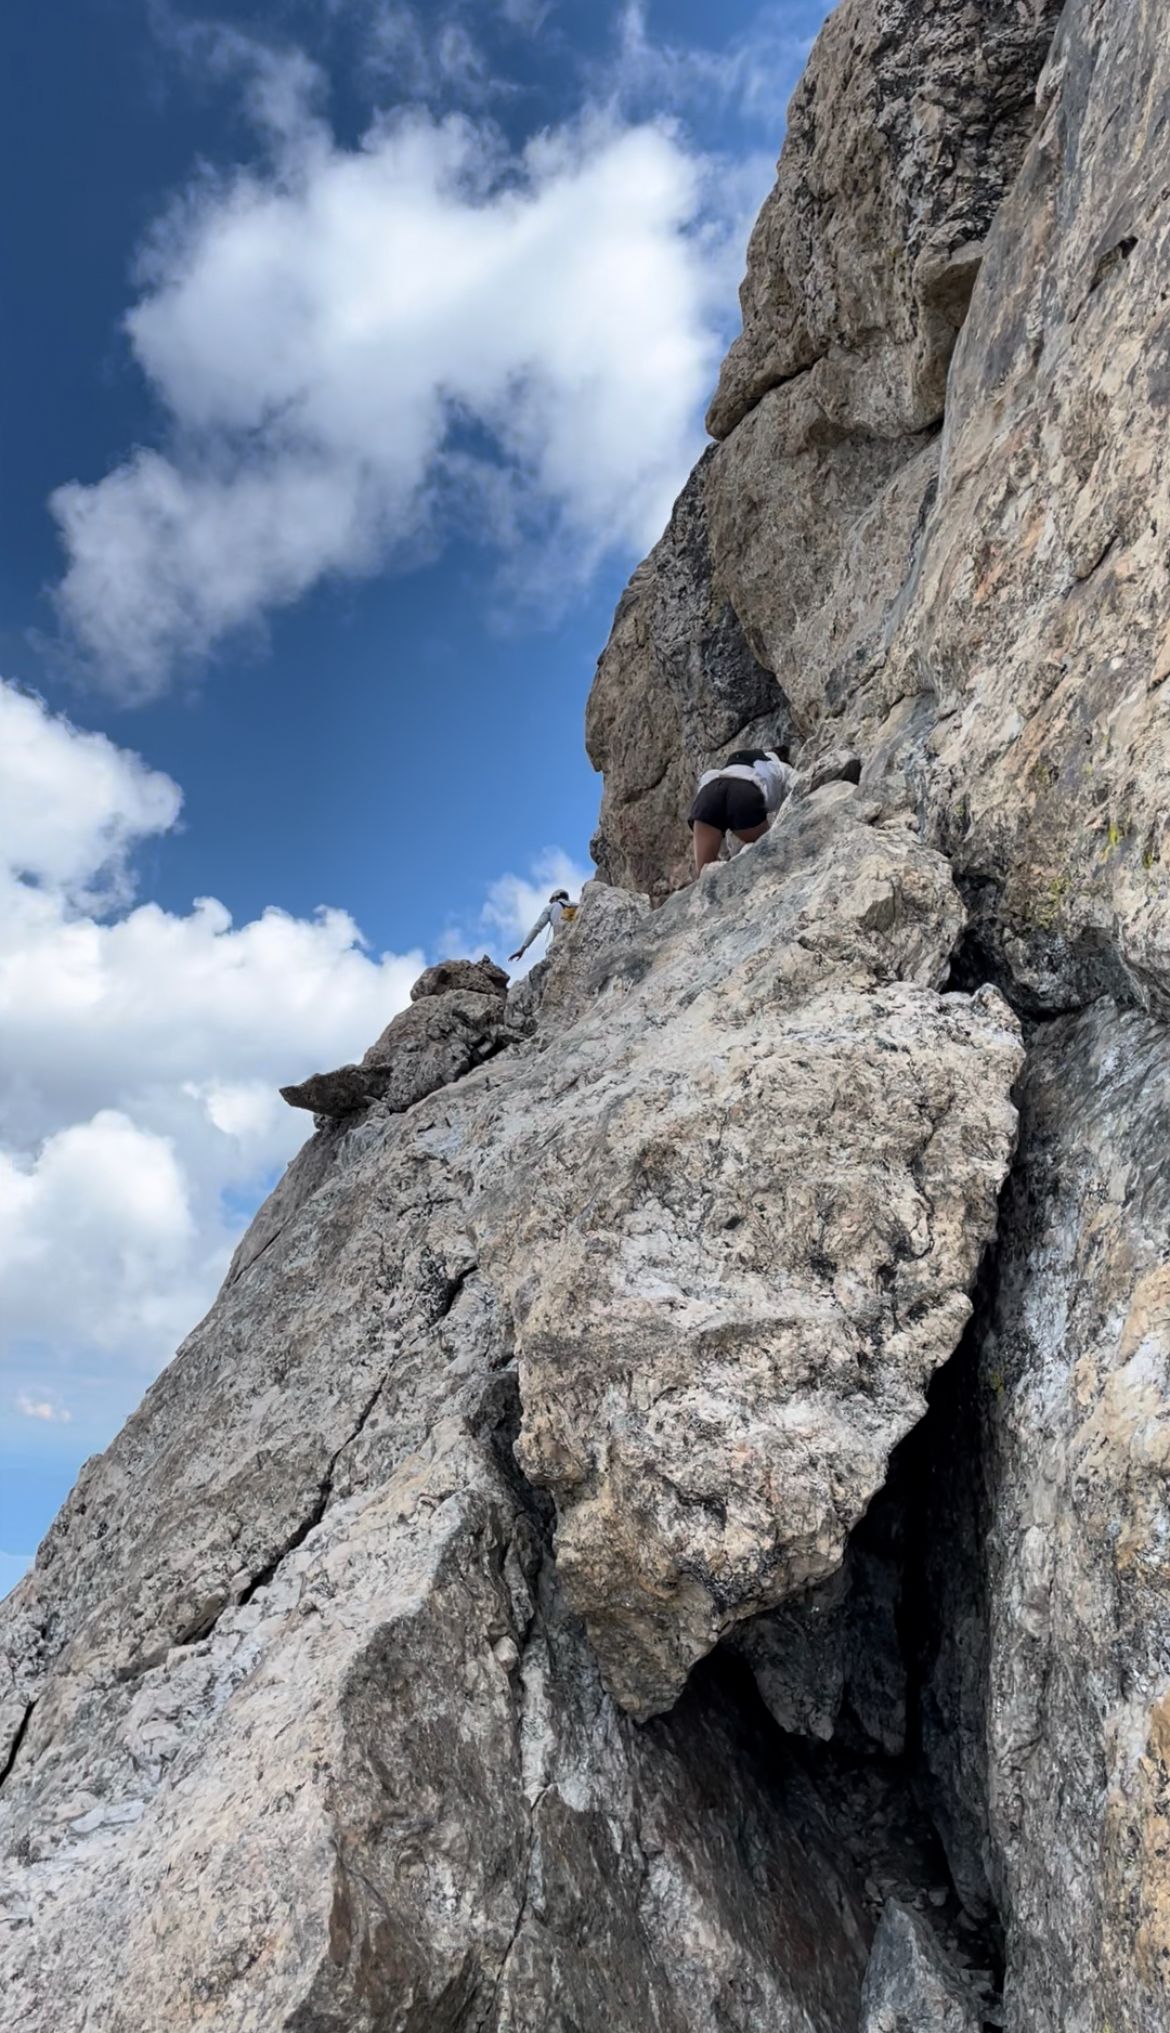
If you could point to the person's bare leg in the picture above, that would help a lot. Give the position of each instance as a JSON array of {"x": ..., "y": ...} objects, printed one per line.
[
  {"x": 707, "y": 842},
  {"x": 751, "y": 833}
]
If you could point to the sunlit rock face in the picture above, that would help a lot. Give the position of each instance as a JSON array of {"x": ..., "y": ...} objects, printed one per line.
[{"x": 665, "y": 1525}]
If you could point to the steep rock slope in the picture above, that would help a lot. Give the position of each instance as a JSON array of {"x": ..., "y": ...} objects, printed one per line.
[
  {"x": 677, "y": 684},
  {"x": 317, "y": 1663},
  {"x": 1036, "y": 635},
  {"x": 1075, "y": 1384},
  {"x": 996, "y": 649},
  {"x": 635, "y": 1342},
  {"x": 803, "y": 523}
]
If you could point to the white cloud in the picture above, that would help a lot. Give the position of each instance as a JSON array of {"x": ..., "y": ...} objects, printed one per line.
[
  {"x": 72, "y": 805},
  {"x": 357, "y": 347},
  {"x": 44, "y": 1408},
  {"x": 435, "y": 53},
  {"x": 141, "y": 1051},
  {"x": 140, "y": 1054}
]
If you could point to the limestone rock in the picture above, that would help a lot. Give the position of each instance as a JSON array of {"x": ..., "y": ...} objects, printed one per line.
[
  {"x": 815, "y": 529},
  {"x": 481, "y": 977},
  {"x": 1038, "y": 624},
  {"x": 908, "y": 1986},
  {"x": 1075, "y": 1378},
  {"x": 676, "y": 688},
  {"x": 281, "y": 1646},
  {"x": 903, "y": 134},
  {"x": 794, "y": 541},
  {"x": 385, "y": 1792},
  {"x": 446, "y": 1030},
  {"x": 712, "y": 1382}
]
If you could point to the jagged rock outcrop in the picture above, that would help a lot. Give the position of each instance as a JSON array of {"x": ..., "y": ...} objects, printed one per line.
[
  {"x": 796, "y": 536},
  {"x": 456, "y": 1019},
  {"x": 903, "y": 135}
]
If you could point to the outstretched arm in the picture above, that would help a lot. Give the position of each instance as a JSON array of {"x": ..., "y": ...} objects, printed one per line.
[{"x": 544, "y": 919}]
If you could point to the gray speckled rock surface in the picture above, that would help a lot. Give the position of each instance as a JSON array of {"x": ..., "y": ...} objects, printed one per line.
[
  {"x": 665, "y": 1314},
  {"x": 770, "y": 603},
  {"x": 1039, "y": 621},
  {"x": 903, "y": 135},
  {"x": 292, "y": 1667},
  {"x": 908, "y": 1986},
  {"x": 1075, "y": 1374}
]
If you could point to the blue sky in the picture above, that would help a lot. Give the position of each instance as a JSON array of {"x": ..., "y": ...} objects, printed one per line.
[{"x": 353, "y": 354}]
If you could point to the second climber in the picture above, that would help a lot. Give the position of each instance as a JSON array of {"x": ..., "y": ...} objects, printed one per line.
[{"x": 557, "y": 912}]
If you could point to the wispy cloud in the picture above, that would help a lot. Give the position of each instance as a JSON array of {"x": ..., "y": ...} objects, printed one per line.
[
  {"x": 46, "y": 1409},
  {"x": 754, "y": 72}
]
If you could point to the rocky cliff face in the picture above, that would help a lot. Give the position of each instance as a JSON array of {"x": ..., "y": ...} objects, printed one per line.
[{"x": 666, "y": 1524}]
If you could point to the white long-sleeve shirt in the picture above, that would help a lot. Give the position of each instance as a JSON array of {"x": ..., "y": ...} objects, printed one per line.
[
  {"x": 550, "y": 917},
  {"x": 773, "y": 777}
]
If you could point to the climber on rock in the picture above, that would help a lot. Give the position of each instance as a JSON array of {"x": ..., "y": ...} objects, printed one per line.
[
  {"x": 558, "y": 911},
  {"x": 741, "y": 797}
]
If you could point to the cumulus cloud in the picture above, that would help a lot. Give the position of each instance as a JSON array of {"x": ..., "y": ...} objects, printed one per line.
[
  {"x": 358, "y": 348},
  {"x": 72, "y": 805},
  {"x": 140, "y": 1052},
  {"x": 140, "y": 1055}
]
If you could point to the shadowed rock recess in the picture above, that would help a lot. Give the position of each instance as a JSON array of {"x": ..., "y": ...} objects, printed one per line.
[{"x": 666, "y": 1525}]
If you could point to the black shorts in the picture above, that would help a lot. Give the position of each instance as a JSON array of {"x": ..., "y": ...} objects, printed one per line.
[{"x": 730, "y": 804}]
